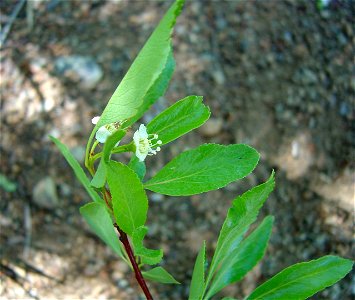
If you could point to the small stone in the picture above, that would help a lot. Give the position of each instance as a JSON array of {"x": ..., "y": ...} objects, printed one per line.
[
  {"x": 79, "y": 68},
  {"x": 219, "y": 77},
  {"x": 309, "y": 77},
  {"x": 212, "y": 127},
  {"x": 45, "y": 193},
  {"x": 300, "y": 51},
  {"x": 65, "y": 190},
  {"x": 344, "y": 109},
  {"x": 122, "y": 283},
  {"x": 156, "y": 197}
]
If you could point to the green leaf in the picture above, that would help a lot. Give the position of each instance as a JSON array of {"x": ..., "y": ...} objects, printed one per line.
[
  {"x": 156, "y": 91},
  {"x": 198, "y": 276},
  {"x": 159, "y": 274},
  {"x": 99, "y": 179},
  {"x": 240, "y": 216},
  {"x": 77, "y": 169},
  {"x": 143, "y": 73},
  {"x": 242, "y": 259},
  {"x": 180, "y": 118},
  {"x": 205, "y": 168},
  {"x": 111, "y": 142},
  {"x": 7, "y": 184},
  {"x": 148, "y": 256},
  {"x": 303, "y": 280},
  {"x": 100, "y": 222},
  {"x": 127, "y": 100},
  {"x": 137, "y": 166},
  {"x": 130, "y": 203}
]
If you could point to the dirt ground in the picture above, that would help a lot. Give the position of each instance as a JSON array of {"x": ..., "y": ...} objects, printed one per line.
[{"x": 276, "y": 75}]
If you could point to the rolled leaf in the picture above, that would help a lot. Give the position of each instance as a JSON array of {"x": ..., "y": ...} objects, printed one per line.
[{"x": 197, "y": 286}]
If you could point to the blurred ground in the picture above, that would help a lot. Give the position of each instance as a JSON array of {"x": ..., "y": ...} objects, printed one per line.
[{"x": 276, "y": 75}]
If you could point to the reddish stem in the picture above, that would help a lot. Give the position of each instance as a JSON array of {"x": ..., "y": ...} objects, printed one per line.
[{"x": 124, "y": 240}]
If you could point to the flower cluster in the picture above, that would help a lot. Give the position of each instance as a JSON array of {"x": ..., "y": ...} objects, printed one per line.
[{"x": 146, "y": 144}]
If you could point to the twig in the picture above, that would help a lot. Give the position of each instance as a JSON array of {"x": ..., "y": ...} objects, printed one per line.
[
  {"x": 124, "y": 240},
  {"x": 28, "y": 230},
  {"x": 7, "y": 28},
  {"x": 12, "y": 274}
]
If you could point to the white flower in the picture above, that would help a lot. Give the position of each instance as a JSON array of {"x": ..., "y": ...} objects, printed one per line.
[
  {"x": 94, "y": 120},
  {"x": 104, "y": 131},
  {"x": 102, "y": 134},
  {"x": 144, "y": 143}
]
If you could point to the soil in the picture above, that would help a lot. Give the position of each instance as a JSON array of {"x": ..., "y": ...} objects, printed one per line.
[{"x": 276, "y": 75}]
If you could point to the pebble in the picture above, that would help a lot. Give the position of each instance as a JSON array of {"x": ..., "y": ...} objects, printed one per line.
[
  {"x": 65, "y": 190},
  {"x": 156, "y": 197},
  {"x": 80, "y": 68},
  {"x": 212, "y": 127},
  {"x": 306, "y": 76},
  {"x": 344, "y": 109},
  {"x": 219, "y": 77},
  {"x": 45, "y": 193},
  {"x": 122, "y": 283}
]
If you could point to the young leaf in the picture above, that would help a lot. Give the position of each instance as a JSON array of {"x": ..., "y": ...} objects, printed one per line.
[
  {"x": 180, "y": 118},
  {"x": 137, "y": 166},
  {"x": 243, "y": 212},
  {"x": 130, "y": 203},
  {"x": 148, "y": 256},
  {"x": 159, "y": 274},
  {"x": 205, "y": 168},
  {"x": 198, "y": 276},
  {"x": 303, "y": 280},
  {"x": 99, "y": 179},
  {"x": 77, "y": 169},
  {"x": 156, "y": 91},
  {"x": 242, "y": 259},
  {"x": 111, "y": 143},
  {"x": 143, "y": 73},
  {"x": 100, "y": 222}
]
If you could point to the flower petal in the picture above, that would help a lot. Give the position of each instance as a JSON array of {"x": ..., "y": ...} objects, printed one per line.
[
  {"x": 94, "y": 120},
  {"x": 143, "y": 131},
  {"x": 102, "y": 134},
  {"x": 141, "y": 156}
]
